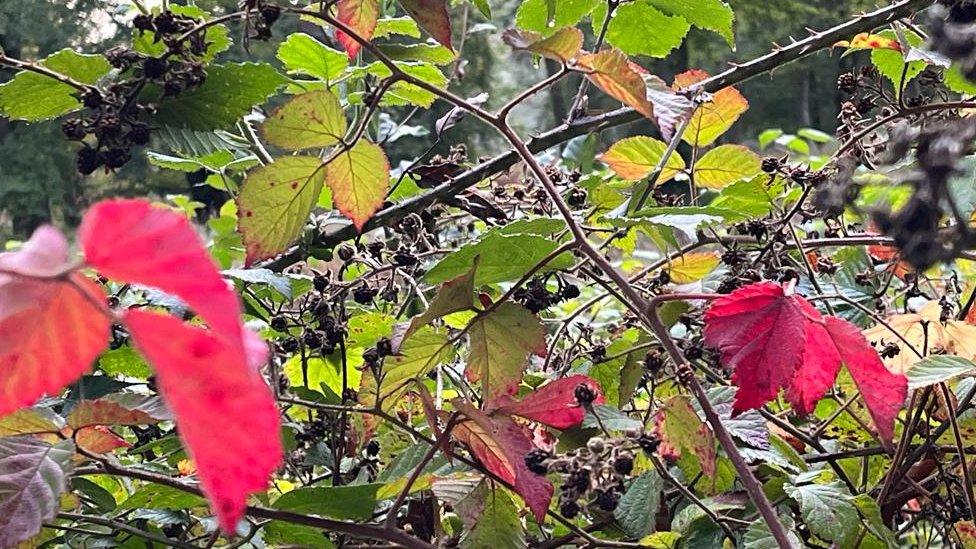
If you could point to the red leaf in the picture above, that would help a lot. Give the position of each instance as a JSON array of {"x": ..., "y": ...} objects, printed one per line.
[
  {"x": 553, "y": 404},
  {"x": 773, "y": 340},
  {"x": 883, "y": 391},
  {"x": 501, "y": 445},
  {"x": 432, "y": 16},
  {"x": 223, "y": 407},
  {"x": 99, "y": 439},
  {"x": 360, "y": 16},
  {"x": 51, "y": 328},
  {"x": 759, "y": 332},
  {"x": 134, "y": 241}
]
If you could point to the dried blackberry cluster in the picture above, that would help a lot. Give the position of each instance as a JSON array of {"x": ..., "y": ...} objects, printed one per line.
[
  {"x": 536, "y": 296},
  {"x": 917, "y": 228},
  {"x": 952, "y": 33},
  {"x": 594, "y": 475},
  {"x": 117, "y": 115}
]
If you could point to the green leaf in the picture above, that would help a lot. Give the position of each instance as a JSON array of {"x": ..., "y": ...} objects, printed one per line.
[
  {"x": 416, "y": 357},
  {"x": 124, "y": 361},
  {"x": 749, "y": 198},
  {"x": 33, "y": 97},
  {"x": 295, "y": 535},
  {"x": 501, "y": 343},
  {"x": 661, "y": 540},
  {"x": 32, "y": 478},
  {"x": 499, "y": 526},
  {"x": 936, "y": 369},
  {"x": 428, "y": 53},
  {"x": 359, "y": 179},
  {"x": 303, "y": 54},
  {"x": 684, "y": 430},
  {"x": 404, "y": 93},
  {"x": 404, "y": 26},
  {"x": 713, "y": 15},
  {"x": 228, "y": 93},
  {"x": 503, "y": 258},
  {"x": 311, "y": 120},
  {"x": 275, "y": 203},
  {"x": 610, "y": 418},
  {"x": 724, "y": 165},
  {"x": 891, "y": 63},
  {"x": 758, "y": 536},
  {"x": 958, "y": 83},
  {"x": 815, "y": 135},
  {"x": 453, "y": 296},
  {"x": 159, "y": 496},
  {"x": 637, "y": 510},
  {"x": 827, "y": 509},
  {"x": 768, "y": 136},
  {"x": 638, "y": 28},
  {"x": 533, "y": 15},
  {"x": 338, "y": 502}
]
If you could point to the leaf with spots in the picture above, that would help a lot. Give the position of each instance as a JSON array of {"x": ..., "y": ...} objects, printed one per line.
[
  {"x": 52, "y": 327},
  {"x": 501, "y": 343},
  {"x": 309, "y": 121},
  {"x": 684, "y": 431},
  {"x": 224, "y": 410},
  {"x": 359, "y": 179},
  {"x": 275, "y": 203}
]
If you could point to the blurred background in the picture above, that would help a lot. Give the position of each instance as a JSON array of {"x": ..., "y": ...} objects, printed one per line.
[{"x": 38, "y": 181}]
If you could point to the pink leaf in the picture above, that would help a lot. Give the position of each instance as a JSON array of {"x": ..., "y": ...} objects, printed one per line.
[
  {"x": 52, "y": 327},
  {"x": 134, "y": 241},
  {"x": 223, "y": 407},
  {"x": 554, "y": 404},
  {"x": 759, "y": 332}
]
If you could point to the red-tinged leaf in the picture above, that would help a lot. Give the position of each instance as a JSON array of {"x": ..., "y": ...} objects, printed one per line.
[
  {"x": 359, "y": 179},
  {"x": 684, "y": 431},
  {"x": 562, "y": 46},
  {"x": 51, "y": 329},
  {"x": 99, "y": 440},
  {"x": 432, "y": 16},
  {"x": 759, "y": 331},
  {"x": 224, "y": 409},
  {"x": 610, "y": 70},
  {"x": 134, "y": 241},
  {"x": 120, "y": 409},
  {"x": 360, "y": 16},
  {"x": 554, "y": 404},
  {"x": 883, "y": 391},
  {"x": 713, "y": 118},
  {"x": 868, "y": 41},
  {"x": 501, "y": 445}
]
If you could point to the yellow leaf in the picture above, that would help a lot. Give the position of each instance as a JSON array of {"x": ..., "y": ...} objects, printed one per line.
[
  {"x": 868, "y": 41},
  {"x": 359, "y": 179},
  {"x": 725, "y": 165},
  {"x": 635, "y": 158},
  {"x": 923, "y": 329},
  {"x": 311, "y": 120},
  {"x": 714, "y": 117},
  {"x": 693, "y": 266}
]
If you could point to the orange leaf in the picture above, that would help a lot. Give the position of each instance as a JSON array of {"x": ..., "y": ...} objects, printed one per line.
[
  {"x": 613, "y": 73},
  {"x": 868, "y": 41},
  {"x": 51, "y": 325}
]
